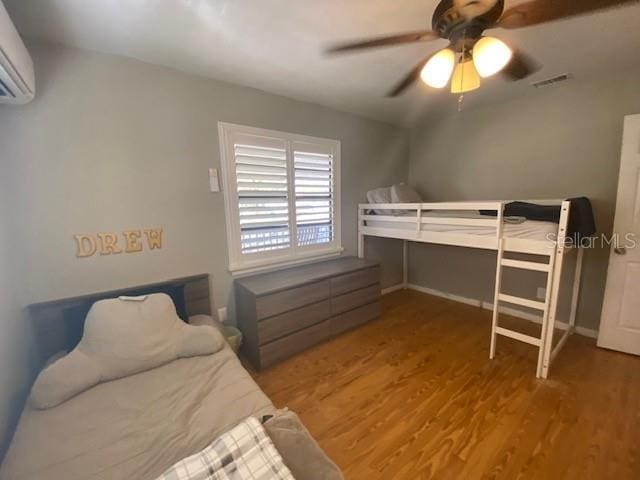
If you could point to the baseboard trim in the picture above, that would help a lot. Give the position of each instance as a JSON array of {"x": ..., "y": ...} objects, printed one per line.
[
  {"x": 587, "y": 332},
  {"x": 514, "y": 312},
  {"x": 449, "y": 296},
  {"x": 393, "y": 288}
]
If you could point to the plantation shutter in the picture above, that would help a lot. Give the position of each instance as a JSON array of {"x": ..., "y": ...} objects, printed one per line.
[
  {"x": 282, "y": 196},
  {"x": 314, "y": 194},
  {"x": 261, "y": 169}
]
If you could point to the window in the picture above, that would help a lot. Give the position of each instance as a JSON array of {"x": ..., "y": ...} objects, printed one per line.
[{"x": 281, "y": 195}]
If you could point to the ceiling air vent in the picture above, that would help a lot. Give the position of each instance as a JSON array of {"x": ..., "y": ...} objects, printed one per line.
[{"x": 553, "y": 80}]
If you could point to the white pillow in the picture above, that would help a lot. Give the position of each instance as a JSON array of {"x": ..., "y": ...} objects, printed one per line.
[
  {"x": 380, "y": 195},
  {"x": 402, "y": 193},
  {"x": 121, "y": 338}
]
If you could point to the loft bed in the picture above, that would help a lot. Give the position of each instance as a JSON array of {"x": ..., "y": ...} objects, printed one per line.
[{"x": 462, "y": 224}]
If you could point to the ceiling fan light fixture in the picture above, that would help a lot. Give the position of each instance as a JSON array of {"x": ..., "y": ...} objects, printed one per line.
[
  {"x": 490, "y": 55},
  {"x": 437, "y": 71},
  {"x": 465, "y": 77}
]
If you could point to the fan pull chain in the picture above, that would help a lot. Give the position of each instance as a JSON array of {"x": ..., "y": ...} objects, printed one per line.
[{"x": 464, "y": 49}]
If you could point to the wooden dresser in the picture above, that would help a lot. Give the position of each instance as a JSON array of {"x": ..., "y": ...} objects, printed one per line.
[{"x": 282, "y": 313}]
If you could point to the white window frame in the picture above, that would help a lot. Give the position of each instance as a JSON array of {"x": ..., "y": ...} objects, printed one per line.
[{"x": 247, "y": 263}]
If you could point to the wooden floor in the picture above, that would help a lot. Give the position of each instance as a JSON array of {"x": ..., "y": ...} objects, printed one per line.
[{"x": 413, "y": 395}]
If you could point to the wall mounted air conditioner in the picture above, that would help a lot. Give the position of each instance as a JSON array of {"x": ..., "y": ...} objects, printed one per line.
[{"x": 17, "y": 80}]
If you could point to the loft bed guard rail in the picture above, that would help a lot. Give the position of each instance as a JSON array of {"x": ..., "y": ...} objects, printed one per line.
[{"x": 458, "y": 224}]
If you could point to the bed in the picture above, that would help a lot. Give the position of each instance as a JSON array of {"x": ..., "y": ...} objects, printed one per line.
[
  {"x": 480, "y": 225},
  {"x": 110, "y": 431},
  {"x": 137, "y": 426},
  {"x": 485, "y": 225}
]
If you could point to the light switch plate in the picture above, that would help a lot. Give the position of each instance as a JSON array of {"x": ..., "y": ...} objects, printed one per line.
[
  {"x": 542, "y": 293},
  {"x": 214, "y": 183}
]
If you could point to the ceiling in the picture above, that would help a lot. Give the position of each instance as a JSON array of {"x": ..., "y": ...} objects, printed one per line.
[{"x": 275, "y": 45}]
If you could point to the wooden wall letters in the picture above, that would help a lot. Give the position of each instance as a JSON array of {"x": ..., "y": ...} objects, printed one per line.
[{"x": 107, "y": 243}]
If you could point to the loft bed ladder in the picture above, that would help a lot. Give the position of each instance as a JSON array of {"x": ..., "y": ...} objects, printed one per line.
[{"x": 553, "y": 269}]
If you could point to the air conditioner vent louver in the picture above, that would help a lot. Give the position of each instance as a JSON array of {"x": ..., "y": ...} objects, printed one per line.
[
  {"x": 5, "y": 91},
  {"x": 553, "y": 80},
  {"x": 17, "y": 82}
]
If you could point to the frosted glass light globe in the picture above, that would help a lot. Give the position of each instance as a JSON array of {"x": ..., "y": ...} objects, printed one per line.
[
  {"x": 490, "y": 55},
  {"x": 437, "y": 72}
]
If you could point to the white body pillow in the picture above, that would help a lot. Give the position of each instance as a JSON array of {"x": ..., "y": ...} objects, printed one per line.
[{"x": 122, "y": 338}]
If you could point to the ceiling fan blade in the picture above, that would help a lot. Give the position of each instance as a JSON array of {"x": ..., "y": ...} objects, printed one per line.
[
  {"x": 520, "y": 66},
  {"x": 399, "y": 39},
  {"x": 535, "y": 12},
  {"x": 410, "y": 78}
]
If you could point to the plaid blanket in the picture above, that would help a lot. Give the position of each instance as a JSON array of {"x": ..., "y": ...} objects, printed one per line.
[{"x": 243, "y": 453}]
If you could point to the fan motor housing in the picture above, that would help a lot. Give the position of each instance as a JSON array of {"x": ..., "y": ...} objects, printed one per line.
[{"x": 451, "y": 23}]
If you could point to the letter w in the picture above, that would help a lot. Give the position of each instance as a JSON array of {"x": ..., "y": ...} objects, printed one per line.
[{"x": 154, "y": 238}]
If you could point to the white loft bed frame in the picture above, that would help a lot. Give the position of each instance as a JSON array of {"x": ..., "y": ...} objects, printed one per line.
[{"x": 555, "y": 251}]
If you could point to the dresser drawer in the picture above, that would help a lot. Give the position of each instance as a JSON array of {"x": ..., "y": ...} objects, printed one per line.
[
  {"x": 355, "y": 280},
  {"x": 270, "y": 305},
  {"x": 354, "y": 318},
  {"x": 352, "y": 300},
  {"x": 296, "y": 342},
  {"x": 275, "y": 327}
]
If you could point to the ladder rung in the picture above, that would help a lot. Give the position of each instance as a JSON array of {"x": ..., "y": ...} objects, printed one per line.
[
  {"x": 525, "y": 302},
  {"x": 518, "y": 336},
  {"x": 540, "y": 267}
]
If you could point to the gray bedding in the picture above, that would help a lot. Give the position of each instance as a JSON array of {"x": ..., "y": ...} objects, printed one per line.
[{"x": 136, "y": 427}]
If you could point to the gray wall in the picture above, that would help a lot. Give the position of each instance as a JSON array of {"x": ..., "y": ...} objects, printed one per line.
[
  {"x": 13, "y": 325},
  {"x": 557, "y": 142},
  {"x": 112, "y": 144}
]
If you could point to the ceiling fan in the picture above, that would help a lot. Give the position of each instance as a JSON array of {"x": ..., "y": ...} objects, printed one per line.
[{"x": 471, "y": 55}]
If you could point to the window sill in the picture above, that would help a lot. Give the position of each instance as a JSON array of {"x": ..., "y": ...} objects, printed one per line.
[{"x": 270, "y": 266}]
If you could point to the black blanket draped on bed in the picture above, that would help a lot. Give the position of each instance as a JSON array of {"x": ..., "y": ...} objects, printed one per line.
[{"x": 582, "y": 222}]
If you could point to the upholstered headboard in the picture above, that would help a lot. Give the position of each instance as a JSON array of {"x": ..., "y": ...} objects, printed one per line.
[{"x": 58, "y": 324}]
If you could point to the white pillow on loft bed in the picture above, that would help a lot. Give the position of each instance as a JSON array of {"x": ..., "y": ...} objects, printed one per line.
[
  {"x": 399, "y": 193},
  {"x": 380, "y": 195},
  {"x": 402, "y": 193}
]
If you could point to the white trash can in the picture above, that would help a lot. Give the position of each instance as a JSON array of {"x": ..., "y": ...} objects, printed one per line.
[{"x": 233, "y": 336}]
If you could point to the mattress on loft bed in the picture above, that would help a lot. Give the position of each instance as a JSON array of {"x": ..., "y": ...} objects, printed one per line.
[{"x": 527, "y": 229}]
